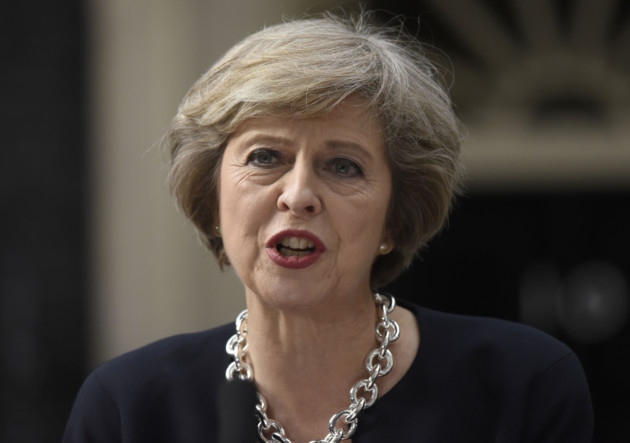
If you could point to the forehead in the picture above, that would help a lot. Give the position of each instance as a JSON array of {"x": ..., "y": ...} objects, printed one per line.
[{"x": 351, "y": 120}]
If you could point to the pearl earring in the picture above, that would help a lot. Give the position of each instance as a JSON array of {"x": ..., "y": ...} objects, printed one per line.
[
  {"x": 383, "y": 248},
  {"x": 217, "y": 230}
]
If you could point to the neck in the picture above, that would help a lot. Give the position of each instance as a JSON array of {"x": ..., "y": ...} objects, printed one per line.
[
  {"x": 305, "y": 366},
  {"x": 306, "y": 361},
  {"x": 304, "y": 343}
]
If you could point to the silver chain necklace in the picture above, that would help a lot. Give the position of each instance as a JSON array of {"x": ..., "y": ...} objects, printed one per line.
[{"x": 363, "y": 394}]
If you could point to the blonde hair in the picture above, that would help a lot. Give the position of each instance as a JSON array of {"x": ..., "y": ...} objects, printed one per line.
[{"x": 306, "y": 67}]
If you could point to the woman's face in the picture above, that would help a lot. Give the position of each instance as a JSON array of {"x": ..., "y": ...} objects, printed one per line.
[{"x": 303, "y": 205}]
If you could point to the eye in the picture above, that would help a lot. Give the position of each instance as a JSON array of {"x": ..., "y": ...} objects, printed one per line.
[
  {"x": 344, "y": 167},
  {"x": 263, "y": 157}
]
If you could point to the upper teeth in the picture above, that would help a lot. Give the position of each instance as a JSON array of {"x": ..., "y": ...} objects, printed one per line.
[{"x": 297, "y": 243}]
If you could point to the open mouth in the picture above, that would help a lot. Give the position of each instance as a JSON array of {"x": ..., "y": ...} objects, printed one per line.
[{"x": 295, "y": 247}]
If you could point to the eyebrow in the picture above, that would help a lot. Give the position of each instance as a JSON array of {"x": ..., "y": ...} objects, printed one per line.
[
  {"x": 334, "y": 145},
  {"x": 265, "y": 138},
  {"x": 330, "y": 145}
]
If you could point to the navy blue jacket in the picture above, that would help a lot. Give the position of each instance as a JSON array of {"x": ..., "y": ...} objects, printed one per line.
[{"x": 473, "y": 380}]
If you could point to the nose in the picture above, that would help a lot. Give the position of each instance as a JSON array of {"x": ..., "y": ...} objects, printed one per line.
[{"x": 299, "y": 193}]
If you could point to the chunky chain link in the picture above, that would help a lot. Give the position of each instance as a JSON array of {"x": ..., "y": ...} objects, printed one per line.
[
  {"x": 237, "y": 348},
  {"x": 363, "y": 394}
]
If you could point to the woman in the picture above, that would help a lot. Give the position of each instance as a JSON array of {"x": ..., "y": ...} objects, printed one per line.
[{"x": 316, "y": 158}]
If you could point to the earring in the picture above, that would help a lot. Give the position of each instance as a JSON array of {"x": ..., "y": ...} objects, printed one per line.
[
  {"x": 384, "y": 249},
  {"x": 217, "y": 231}
]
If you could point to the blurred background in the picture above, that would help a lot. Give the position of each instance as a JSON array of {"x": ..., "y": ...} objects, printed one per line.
[{"x": 95, "y": 260}]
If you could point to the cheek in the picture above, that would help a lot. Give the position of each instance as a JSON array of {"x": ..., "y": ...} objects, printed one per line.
[
  {"x": 234, "y": 191},
  {"x": 362, "y": 226},
  {"x": 243, "y": 212}
]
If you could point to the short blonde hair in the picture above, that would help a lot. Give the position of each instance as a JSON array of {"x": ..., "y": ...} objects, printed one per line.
[{"x": 307, "y": 67}]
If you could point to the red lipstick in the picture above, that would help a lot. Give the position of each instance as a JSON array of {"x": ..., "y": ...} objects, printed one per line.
[{"x": 294, "y": 249}]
